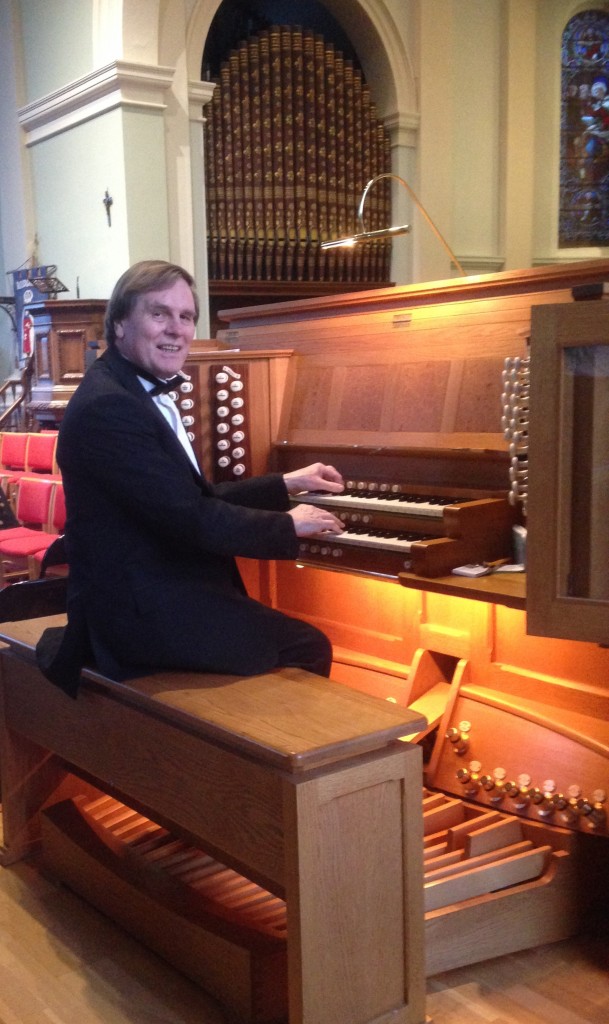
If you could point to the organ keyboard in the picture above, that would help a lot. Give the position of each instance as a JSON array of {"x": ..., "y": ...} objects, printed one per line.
[
  {"x": 393, "y": 528},
  {"x": 382, "y": 497}
]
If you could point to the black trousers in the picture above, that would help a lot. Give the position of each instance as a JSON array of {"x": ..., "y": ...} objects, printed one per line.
[
  {"x": 228, "y": 633},
  {"x": 232, "y": 635},
  {"x": 304, "y": 646}
]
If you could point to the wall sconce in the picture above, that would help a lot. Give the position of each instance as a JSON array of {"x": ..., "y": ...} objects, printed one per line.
[{"x": 402, "y": 229}]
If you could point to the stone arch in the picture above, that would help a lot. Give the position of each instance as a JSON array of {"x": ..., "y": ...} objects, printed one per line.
[{"x": 376, "y": 38}]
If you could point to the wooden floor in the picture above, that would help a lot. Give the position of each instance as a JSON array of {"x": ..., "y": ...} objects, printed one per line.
[{"x": 61, "y": 962}]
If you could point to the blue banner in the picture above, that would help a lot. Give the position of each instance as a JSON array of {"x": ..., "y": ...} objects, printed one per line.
[{"x": 30, "y": 285}]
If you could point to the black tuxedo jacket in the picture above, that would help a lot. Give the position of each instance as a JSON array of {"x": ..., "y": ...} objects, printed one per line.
[{"x": 151, "y": 544}]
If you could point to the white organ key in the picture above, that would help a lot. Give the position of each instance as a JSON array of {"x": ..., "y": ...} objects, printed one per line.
[
  {"x": 373, "y": 540},
  {"x": 402, "y": 505}
]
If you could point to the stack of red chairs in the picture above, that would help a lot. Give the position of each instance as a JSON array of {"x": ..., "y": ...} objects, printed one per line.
[
  {"x": 23, "y": 453},
  {"x": 40, "y": 511}
]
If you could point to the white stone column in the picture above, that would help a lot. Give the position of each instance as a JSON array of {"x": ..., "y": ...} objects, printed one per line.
[{"x": 199, "y": 95}]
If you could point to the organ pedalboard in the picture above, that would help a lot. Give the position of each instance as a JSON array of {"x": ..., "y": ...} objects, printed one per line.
[{"x": 478, "y": 865}]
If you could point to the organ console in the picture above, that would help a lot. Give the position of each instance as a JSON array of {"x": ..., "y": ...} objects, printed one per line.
[{"x": 421, "y": 396}]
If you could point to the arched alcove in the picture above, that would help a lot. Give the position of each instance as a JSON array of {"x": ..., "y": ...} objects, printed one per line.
[
  {"x": 387, "y": 67},
  {"x": 370, "y": 27}
]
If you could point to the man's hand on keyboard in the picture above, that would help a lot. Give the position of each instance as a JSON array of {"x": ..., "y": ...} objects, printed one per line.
[
  {"x": 310, "y": 520},
  {"x": 316, "y": 477}
]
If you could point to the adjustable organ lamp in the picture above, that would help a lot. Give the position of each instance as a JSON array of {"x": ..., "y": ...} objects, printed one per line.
[{"x": 389, "y": 232}]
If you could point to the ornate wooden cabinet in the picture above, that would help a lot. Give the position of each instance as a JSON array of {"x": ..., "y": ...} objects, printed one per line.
[{"x": 67, "y": 335}]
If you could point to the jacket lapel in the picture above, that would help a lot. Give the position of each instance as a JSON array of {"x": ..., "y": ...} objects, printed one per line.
[{"x": 127, "y": 375}]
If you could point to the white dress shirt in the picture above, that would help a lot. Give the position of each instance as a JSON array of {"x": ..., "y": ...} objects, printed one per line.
[{"x": 171, "y": 413}]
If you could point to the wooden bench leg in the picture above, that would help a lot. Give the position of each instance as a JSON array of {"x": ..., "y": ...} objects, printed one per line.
[
  {"x": 30, "y": 775},
  {"x": 354, "y": 891},
  {"x": 30, "y": 778}
]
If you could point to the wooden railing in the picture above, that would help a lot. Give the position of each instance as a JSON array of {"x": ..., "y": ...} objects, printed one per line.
[{"x": 14, "y": 397}]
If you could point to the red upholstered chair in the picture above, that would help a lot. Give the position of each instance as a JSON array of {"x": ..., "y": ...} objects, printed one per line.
[
  {"x": 32, "y": 505},
  {"x": 13, "y": 447},
  {"x": 53, "y": 566},
  {"x": 34, "y": 510},
  {"x": 8, "y": 519},
  {"x": 12, "y": 450},
  {"x": 40, "y": 452},
  {"x": 58, "y": 510}
]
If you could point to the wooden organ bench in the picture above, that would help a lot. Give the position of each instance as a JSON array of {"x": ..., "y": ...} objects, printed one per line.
[{"x": 295, "y": 782}]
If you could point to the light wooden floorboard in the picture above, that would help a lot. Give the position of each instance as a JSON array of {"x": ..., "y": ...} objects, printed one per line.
[
  {"x": 62, "y": 962},
  {"x": 563, "y": 983}
]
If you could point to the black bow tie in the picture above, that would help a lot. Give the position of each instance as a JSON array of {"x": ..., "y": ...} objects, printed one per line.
[{"x": 163, "y": 387}]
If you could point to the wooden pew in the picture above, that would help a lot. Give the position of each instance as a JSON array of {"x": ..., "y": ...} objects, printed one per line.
[{"x": 299, "y": 783}]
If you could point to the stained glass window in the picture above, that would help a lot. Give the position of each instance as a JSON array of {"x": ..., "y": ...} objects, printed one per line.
[{"x": 584, "y": 131}]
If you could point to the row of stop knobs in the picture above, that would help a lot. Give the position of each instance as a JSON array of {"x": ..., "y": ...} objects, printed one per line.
[
  {"x": 230, "y": 421},
  {"x": 569, "y": 809}
]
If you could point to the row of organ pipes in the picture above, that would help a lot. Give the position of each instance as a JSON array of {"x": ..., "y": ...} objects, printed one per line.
[{"x": 291, "y": 138}]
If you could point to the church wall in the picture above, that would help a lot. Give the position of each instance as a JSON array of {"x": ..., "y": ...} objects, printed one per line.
[
  {"x": 517, "y": 137},
  {"x": 145, "y": 186},
  {"x": 436, "y": 138},
  {"x": 71, "y": 172},
  {"x": 48, "y": 27},
  {"x": 17, "y": 227},
  {"x": 477, "y": 125},
  {"x": 475, "y": 101},
  {"x": 122, "y": 152},
  {"x": 7, "y": 335}
]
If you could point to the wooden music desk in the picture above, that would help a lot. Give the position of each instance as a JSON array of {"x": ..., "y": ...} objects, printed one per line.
[{"x": 298, "y": 782}]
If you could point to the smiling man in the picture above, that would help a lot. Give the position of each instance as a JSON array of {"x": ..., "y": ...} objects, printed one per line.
[{"x": 151, "y": 544}]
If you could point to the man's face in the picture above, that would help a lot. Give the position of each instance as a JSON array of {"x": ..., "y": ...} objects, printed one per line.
[{"x": 158, "y": 332}]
